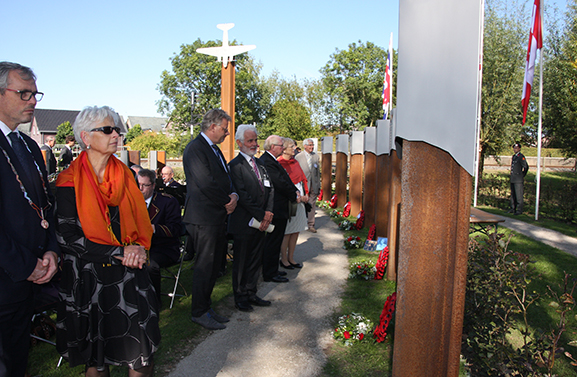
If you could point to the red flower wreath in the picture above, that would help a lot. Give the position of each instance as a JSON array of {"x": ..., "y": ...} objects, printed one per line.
[
  {"x": 320, "y": 197},
  {"x": 347, "y": 209},
  {"x": 372, "y": 231},
  {"x": 382, "y": 263},
  {"x": 387, "y": 314},
  {"x": 360, "y": 220},
  {"x": 334, "y": 201}
]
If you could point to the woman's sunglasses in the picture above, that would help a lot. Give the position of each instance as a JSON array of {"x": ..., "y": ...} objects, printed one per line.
[{"x": 107, "y": 130}]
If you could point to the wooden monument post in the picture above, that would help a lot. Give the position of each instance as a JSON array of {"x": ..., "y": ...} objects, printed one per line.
[
  {"x": 356, "y": 174},
  {"x": 327, "y": 166},
  {"x": 383, "y": 176},
  {"x": 394, "y": 201},
  {"x": 341, "y": 174},
  {"x": 436, "y": 116},
  {"x": 370, "y": 145}
]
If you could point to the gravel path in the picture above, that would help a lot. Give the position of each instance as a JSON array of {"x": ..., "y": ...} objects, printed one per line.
[{"x": 288, "y": 338}]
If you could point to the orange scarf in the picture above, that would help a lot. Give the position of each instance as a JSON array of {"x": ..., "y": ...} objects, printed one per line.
[{"x": 118, "y": 189}]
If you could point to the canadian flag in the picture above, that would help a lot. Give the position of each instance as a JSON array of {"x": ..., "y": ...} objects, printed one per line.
[
  {"x": 535, "y": 43},
  {"x": 388, "y": 82}
]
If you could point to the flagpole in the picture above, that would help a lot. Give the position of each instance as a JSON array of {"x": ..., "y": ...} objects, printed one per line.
[
  {"x": 479, "y": 99},
  {"x": 540, "y": 128}
]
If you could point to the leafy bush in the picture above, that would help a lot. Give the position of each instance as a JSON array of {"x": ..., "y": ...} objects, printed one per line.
[{"x": 497, "y": 336}]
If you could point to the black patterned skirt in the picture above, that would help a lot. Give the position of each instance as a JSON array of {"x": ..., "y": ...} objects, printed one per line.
[{"x": 108, "y": 315}]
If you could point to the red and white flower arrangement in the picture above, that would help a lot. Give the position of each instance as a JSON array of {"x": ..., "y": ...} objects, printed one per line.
[
  {"x": 353, "y": 328},
  {"x": 346, "y": 225},
  {"x": 320, "y": 197},
  {"x": 360, "y": 220},
  {"x": 334, "y": 201},
  {"x": 353, "y": 242},
  {"x": 347, "y": 209},
  {"x": 362, "y": 270}
]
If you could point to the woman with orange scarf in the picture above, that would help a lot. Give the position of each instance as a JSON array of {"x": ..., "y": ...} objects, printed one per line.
[
  {"x": 109, "y": 310},
  {"x": 298, "y": 222}
]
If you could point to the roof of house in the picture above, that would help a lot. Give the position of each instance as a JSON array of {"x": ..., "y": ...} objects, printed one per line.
[
  {"x": 49, "y": 120},
  {"x": 156, "y": 124}
]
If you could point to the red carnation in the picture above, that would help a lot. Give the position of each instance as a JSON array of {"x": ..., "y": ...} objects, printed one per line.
[
  {"x": 320, "y": 197},
  {"x": 347, "y": 335},
  {"x": 361, "y": 336}
]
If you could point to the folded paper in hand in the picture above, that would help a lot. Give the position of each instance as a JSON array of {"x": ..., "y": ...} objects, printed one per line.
[{"x": 254, "y": 223}]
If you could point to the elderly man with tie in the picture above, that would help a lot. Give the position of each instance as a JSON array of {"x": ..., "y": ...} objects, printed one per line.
[
  {"x": 255, "y": 193},
  {"x": 210, "y": 198},
  {"x": 28, "y": 247}
]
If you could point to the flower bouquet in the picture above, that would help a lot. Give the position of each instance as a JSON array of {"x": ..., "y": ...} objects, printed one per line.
[
  {"x": 334, "y": 213},
  {"x": 352, "y": 328},
  {"x": 353, "y": 242},
  {"x": 346, "y": 225},
  {"x": 382, "y": 263},
  {"x": 323, "y": 205},
  {"x": 364, "y": 270},
  {"x": 320, "y": 197}
]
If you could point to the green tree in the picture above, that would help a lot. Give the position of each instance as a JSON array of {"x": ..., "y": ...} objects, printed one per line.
[
  {"x": 200, "y": 73},
  {"x": 560, "y": 84},
  {"x": 504, "y": 53},
  {"x": 152, "y": 141},
  {"x": 133, "y": 132},
  {"x": 288, "y": 118},
  {"x": 353, "y": 80},
  {"x": 62, "y": 131}
]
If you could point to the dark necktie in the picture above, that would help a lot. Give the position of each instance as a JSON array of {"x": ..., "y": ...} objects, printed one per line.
[
  {"x": 255, "y": 168},
  {"x": 27, "y": 162},
  {"x": 217, "y": 151}
]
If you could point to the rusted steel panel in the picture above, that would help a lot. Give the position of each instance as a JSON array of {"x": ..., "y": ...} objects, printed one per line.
[
  {"x": 356, "y": 184},
  {"x": 327, "y": 175},
  {"x": 370, "y": 188},
  {"x": 382, "y": 195},
  {"x": 394, "y": 215},
  {"x": 341, "y": 179},
  {"x": 432, "y": 265}
]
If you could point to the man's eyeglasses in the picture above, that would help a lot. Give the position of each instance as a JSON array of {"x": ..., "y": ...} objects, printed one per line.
[
  {"x": 107, "y": 130},
  {"x": 25, "y": 95},
  {"x": 144, "y": 184}
]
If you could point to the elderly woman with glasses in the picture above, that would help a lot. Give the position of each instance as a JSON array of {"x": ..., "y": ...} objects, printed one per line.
[
  {"x": 298, "y": 222},
  {"x": 109, "y": 310}
]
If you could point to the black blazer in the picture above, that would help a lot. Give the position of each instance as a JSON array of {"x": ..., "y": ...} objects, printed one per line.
[
  {"x": 164, "y": 212},
  {"x": 208, "y": 184},
  {"x": 284, "y": 189},
  {"x": 253, "y": 202},
  {"x": 22, "y": 239},
  {"x": 65, "y": 157},
  {"x": 50, "y": 159}
]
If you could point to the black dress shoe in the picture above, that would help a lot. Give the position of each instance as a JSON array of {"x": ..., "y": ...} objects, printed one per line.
[
  {"x": 244, "y": 306},
  {"x": 296, "y": 265},
  {"x": 289, "y": 267},
  {"x": 277, "y": 279},
  {"x": 257, "y": 301},
  {"x": 282, "y": 273}
]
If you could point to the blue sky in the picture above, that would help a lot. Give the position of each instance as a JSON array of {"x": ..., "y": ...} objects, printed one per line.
[{"x": 113, "y": 52}]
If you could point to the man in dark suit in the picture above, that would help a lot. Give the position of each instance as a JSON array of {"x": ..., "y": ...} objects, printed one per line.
[
  {"x": 210, "y": 198},
  {"x": 66, "y": 156},
  {"x": 171, "y": 186},
  {"x": 255, "y": 201},
  {"x": 28, "y": 247},
  {"x": 309, "y": 162},
  {"x": 284, "y": 190},
  {"x": 519, "y": 169},
  {"x": 50, "y": 159},
  {"x": 164, "y": 212}
]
